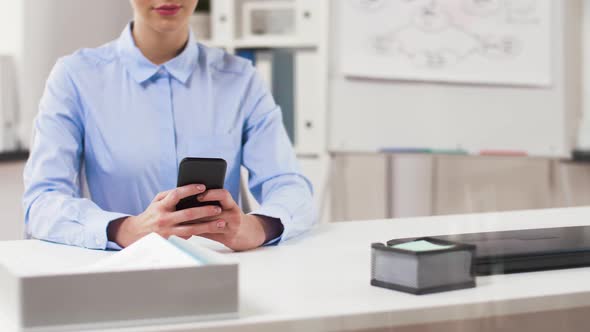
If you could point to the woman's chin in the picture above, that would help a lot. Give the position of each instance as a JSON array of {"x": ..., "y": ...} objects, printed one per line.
[{"x": 169, "y": 25}]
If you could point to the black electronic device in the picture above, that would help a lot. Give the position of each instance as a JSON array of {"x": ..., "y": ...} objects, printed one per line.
[
  {"x": 526, "y": 250},
  {"x": 206, "y": 171}
]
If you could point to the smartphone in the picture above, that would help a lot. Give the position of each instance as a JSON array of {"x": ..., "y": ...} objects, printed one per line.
[{"x": 206, "y": 171}]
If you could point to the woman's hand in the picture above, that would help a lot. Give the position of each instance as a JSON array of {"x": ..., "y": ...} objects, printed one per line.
[
  {"x": 161, "y": 217},
  {"x": 227, "y": 225},
  {"x": 237, "y": 230}
]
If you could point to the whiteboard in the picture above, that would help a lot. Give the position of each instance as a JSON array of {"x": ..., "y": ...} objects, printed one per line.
[
  {"x": 369, "y": 115},
  {"x": 474, "y": 41}
]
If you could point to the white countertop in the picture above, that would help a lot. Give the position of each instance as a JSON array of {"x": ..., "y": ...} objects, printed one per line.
[{"x": 320, "y": 282}]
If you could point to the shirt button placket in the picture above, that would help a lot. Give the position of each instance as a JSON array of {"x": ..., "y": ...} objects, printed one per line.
[{"x": 167, "y": 135}]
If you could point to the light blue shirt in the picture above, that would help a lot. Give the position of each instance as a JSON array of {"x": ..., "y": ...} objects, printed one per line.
[{"x": 111, "y": 116}]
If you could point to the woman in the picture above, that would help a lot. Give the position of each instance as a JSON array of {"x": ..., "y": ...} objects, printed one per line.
[{"x": 125, "y": 114}]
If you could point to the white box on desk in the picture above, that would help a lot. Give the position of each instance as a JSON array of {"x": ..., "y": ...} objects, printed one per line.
[{"x": 75, "y": 301}]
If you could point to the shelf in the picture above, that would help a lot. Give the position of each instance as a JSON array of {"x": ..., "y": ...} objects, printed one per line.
[
  {"x": 211, "y": 43},
  {"x": 274, "y": 42},
  {"x": 301, "y": 29},
  {"x": 12, "y": 156},
  {"x": 266, "y": 42}
]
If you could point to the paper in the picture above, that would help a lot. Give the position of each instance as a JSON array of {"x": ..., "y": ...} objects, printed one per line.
[
  {"x": 150, "y": 253},
  {"x": 421, "y": 246},
  {"x": 472, "y": 41}
]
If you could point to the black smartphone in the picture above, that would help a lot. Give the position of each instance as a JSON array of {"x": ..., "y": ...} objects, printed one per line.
[{"x": 206, "y": 171}]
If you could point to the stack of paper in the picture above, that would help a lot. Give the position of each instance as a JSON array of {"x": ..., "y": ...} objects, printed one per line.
[{"x": 150, "y": 253}]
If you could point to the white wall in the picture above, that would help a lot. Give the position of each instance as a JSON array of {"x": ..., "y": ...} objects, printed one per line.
[
  {"x": 366, "y": 115},
  {"x": 10, "y": 35},
  {"x": 10, "y": 50},
  {"x": 584, "y": 133}
]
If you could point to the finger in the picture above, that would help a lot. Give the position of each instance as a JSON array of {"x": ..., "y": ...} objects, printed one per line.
[
  {"x": 192, "y": 214},
  {"x": 175, "y": 195},
  {"x": 161, "y": 196},
  {"x": 207, "y": 219},
  {"x": 219, "y": 195},
  {"x": 213, "y": 227}
]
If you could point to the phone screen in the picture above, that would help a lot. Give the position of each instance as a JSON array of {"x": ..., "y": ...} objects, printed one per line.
[{"x": 206, "y": 171}]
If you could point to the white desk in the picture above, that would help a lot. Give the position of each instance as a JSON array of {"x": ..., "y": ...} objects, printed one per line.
[{"x": 320, "y": 282}]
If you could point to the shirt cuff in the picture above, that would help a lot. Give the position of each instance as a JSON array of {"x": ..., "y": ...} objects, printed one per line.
[
  {"x": 273, "y": 242},
  {"x": 113, "y": 246},
  {"x": 276, "y": 213},
  {"x": 96, "y": 223}
]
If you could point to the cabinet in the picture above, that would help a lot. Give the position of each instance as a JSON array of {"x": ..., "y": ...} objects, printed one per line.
[
  {"x": 375, "y": 186},
  {"x": 11, "y": 193},
  {"x": 299, "y": 27},
  {"x": 231, "y": 29}
]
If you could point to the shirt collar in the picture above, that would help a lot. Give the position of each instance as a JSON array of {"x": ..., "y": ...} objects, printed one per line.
[{"x": 142, "y": 69}]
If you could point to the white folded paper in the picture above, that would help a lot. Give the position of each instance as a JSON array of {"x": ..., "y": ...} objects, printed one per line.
[{"x": 150, "y": 253}]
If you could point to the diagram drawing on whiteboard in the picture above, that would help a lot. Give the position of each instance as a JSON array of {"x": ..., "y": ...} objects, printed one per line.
[{"x": 471, "y": 41}]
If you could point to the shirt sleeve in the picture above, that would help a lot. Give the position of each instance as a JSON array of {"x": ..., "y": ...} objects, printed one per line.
[
  {"x": 275, "y": 178},
  {"x": 54, "y": 208}
]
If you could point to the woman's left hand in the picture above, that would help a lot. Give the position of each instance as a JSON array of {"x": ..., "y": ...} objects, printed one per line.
[{"x": 240, "y": 231}]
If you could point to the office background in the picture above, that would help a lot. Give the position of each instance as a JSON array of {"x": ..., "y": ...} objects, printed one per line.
[{"x": 349, "y": 127}]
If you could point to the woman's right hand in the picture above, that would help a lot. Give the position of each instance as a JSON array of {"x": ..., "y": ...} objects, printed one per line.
[{"x": 161, "y": 217}]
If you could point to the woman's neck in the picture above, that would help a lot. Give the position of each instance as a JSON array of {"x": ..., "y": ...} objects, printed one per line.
[{"x": 156, "y": 46}]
